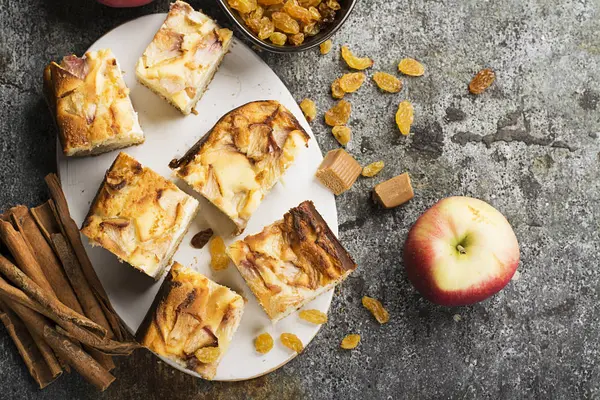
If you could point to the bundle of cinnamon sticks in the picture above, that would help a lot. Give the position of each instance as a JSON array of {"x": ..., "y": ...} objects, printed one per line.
[{"x": 51, "y": 300}]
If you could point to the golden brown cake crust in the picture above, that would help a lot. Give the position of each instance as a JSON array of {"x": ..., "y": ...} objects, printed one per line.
[
  {"x": 242, "y": 157},
  {"x": 138, "y": 215},
  {"x": 191, "y": 312},
  {"x": 90, "y": 104},
  {"x": 291, "y": 261}
]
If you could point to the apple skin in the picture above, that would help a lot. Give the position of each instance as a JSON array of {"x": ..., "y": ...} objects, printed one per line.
[
  {"x": 449, "y": 275},
  {"x": 124, "y": 3}
]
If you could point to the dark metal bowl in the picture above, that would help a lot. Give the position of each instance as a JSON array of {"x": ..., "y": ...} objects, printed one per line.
[{"x": 310, "y": 42}]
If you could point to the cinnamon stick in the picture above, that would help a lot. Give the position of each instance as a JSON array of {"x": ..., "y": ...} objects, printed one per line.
[
  {"x": 44, "y": 218},
  {"x": 90, "y": 304},
  {"x": 78, "y": 359},
  {"x": 23, "y": 256},
  {"x": 40, "y": 371},
  {"x": 71, "y": 232},
  {"x": 64, "y": 347},
  {"x": 26, "y": 225},
  {"x": 45, "y": 299}
]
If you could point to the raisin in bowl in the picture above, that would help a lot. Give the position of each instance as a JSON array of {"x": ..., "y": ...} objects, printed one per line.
[{"x": 288, "y": 26}]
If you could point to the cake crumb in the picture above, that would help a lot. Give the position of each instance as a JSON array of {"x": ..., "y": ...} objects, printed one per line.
[
  {"x": 516, "y": 276},
  {"x": 194, "y": 111},
  {"x": 457, "y": 317}
]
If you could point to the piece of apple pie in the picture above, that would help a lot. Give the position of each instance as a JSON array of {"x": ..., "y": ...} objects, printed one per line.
[
  {"x": 139, "y": 216},
  {"x": 291, "y": 261},
  {"x": 192, "y": 321},
  {"x": 244, "y": 155},
  {"x": 90, "y": 104},
  {"x": 184, "y": 55}
]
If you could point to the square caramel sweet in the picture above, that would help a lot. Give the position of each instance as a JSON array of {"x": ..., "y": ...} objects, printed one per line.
[
  {"x": 237, "y": 163},
  {"x": 291, "y": 261},
  {"x": 139, "y": 216},
  {"x": 192, "y": 321},
  {"x": 338, "y": 171},
  {"x": 183, "y": 56},
  {"x": 90, "y": 104},
  {"x": 394, "y": 192}
]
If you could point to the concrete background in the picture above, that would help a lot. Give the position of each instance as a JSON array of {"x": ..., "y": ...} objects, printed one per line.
[{"x": 529, "y": 146}]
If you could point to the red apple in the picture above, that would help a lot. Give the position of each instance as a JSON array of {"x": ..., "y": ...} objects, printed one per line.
[{"x": 460, "y": 251}]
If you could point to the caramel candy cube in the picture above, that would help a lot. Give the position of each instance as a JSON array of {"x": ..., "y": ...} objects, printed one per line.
[
  {"x": 394, "y": 192},
  {"x": 338, "y": 171}
]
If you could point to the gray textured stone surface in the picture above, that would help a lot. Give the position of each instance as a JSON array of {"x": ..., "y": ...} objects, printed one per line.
[{"x": 529, "y": 146}]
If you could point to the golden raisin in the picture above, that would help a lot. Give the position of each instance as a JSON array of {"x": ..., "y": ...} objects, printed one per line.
[
  {"x": 311, "y": 29},
  {"x": 336, "y": 89},
  {"x": 373, "y": 169},
  {"x": 263, "y": 343},
  {"x": 314, "y": 13},
  {"x": 243, "y": 6},
  {"x": 404, "y": 117},
  {"x": 326, "y": 46},
  {"x": 387, "y": 82},
  {"x": 297, "y": 12},
  {"x": 350, "y": 342},
  {"x": 269, "y": 2},
  {"x": 342, "y": 133},
  {"x": 327, "y": 14},
  {"x": 266, "y": 28},
  {"x": 296, "y": 39},
  {"x": 411, "y": 67},
  {"x": 482, "y": 81},
  {"x": 338, "y": 114},
  {"x": 309, "y": 3},
  {"x": 376, "y": 308},
  {"x": 219, "y": 259},
  {"x": 207, "y": 355},
  {"x": 355, "y": 62},
  {"x": 285, "y": 23},
  {"x": 278, "y": 38},
  {"x": 309, "y": 109},
  {"x": 352, "y": 82},
  {"x": 313, "y": 316},
  {"x": 292, "y": 342},
  {"x": 333, "y": 4}
]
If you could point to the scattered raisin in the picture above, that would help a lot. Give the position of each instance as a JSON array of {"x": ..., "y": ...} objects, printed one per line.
[
  {"x": 201, "y": 238},
  {"x": 285, "y": 23},
  {"x": 336, "y": 89},
  {"x": 292, "y": 342},
  {"x": 404, "y": 117},
  {"x": 355, "y": 62},
  {"x": 350, "y": 342},
  {"x": 372, "y": 169},
  {"x": 313, "y": 316},
  {"x": 482, "y": 81},
  {"x": 376, "y": 308},
  {"x": 278, "y": 38},
  {"x": 219, "y": 259},
  {"x": 326, "y": 46},
  {"x": 309, "y": 109},
  {"x": 263, "y": 343},
  {"x": 207, "y": 355},
  {"x": 342, "y": 133},
  {"x": 411, "y": 67},
  {"x": 338, "y": 114},
  {"x": 352, "y": 82},
  {"x": 387, "y": 82}
]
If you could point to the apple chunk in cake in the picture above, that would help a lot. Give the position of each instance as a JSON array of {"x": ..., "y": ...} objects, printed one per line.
[
  {"x": 139, "y": 216},
  {"x": 90, "y": 104},
  {"x": 244, "y": 155},
  {"x": 192, "y": 321},
  {"x": 183, "y": 56},
  {"x": 291, "y": 261}
]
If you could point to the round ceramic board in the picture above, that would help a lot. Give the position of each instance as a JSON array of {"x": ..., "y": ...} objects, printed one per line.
[{"x": 242, "y": 77}]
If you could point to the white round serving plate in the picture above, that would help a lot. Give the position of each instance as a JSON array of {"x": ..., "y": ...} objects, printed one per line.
[{"x": 242, "y": 77}]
